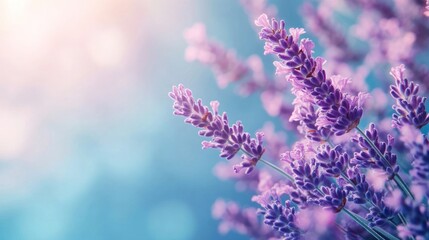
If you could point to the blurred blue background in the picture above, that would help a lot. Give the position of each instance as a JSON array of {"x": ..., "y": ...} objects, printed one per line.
[{"x": 89, "y": 148}]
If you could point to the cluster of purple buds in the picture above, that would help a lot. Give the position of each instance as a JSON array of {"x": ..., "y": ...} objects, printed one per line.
[
  {"x": 320, "y": 174},
  {"x": 281, "y": 218},
  {"x": 333, "y": 160},
  {"x": 229, "y": 139},
  {"x": 338, "y": 110},
  {"x": 376, "y": 153},
  {"x": 417, "y": 220},
  {"x": 410, "y": 107}
]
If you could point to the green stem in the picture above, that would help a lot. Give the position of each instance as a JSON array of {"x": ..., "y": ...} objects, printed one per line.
[
  {"x": 362, "y": 224},
  {"x": 398, "y": 180},
  {"x": 277, "y": 169}
]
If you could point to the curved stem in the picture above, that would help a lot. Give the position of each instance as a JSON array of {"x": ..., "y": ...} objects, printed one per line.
[
  {"x": 362, "y": 224},
  {"x": 277, "y": 169}
]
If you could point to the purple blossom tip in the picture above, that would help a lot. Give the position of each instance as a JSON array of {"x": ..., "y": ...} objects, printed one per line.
[
  {"x": 410, "y": 107},
  {"x": 228, "y": 139}
]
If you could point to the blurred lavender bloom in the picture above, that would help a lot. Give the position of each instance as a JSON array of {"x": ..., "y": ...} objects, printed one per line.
[
  {"x": 396, "y": 39},
  {"x": 417, "y": 216},
  {"x": 369, "y": 158},
  {"x": 381, "y": 7},
  {"x": 224, "y": 63},
  {"x": 243, "y": 181},
  {"x": 229, "y": 69},
  {"x": 317, "y": 223},
  {"x": 426, "y": 10},
  {"x": 418, "y": 146},
  {"x": 410, "y": 107},
  {"x": 244, "y": 221},
  {"x": 338, "y": 110},
  {"x": 275, "y": 142},
  {"x": 332, "y": 38},
  {"x": 229, "y": 139},
  {"x": 254, "y": 8}
]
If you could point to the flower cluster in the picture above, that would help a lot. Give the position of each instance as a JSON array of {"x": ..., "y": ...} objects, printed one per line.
[
  {"x": 229, "y": 139},
  {"x": 336, "y": 109},
  {"x": 336, "y": 180},
  {"x": 410, "y": 107}
]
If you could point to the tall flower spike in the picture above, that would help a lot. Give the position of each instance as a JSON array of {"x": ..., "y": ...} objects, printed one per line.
[
  {"x": 410, "y": 108},
  {"x": 337, "y": 109},
  {"x": 229, "y": 139}
]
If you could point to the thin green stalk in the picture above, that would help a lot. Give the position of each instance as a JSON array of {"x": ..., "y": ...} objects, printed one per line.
[
  {"x": 277, "y": 169},
  {"x": 271, "y": 165},
  {"x": 362, "y": 224},
  {"x": 398, "y": 180}
]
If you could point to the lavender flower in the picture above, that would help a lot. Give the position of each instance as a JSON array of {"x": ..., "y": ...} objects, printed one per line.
[
  {"x": 229, "y": 139},
  {"x": 244, "y": 221},
  {"x": 306, "y": 174},
  {"x": 410, "y": 108},
  {"x": 351, "y": 177},
  {"x": 368, "y": 157},
  {"x": 379, "y": 213},
  {"x": 426, "y": 10},
  {"x": 333, "y": 160},
  {"x": 418, "y": 146},
  {"x": 417, "y": 220},
  {"x": 281, "y": 218},
  {"x": 329, "y": 35},
  {"x": 338, "y": 110},
  {"x": 334, "y": 198},
  {"x": 225, "y": 64}
]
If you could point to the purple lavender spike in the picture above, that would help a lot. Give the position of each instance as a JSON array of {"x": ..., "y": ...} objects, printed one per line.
[
  {"x": 410, "y": 107},
  {"x": 369, "y": 157},
  {"x": 340, "y": 111},
  {"x": 229, "y": 139}
]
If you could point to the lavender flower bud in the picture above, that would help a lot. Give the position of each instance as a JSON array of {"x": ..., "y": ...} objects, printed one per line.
[
  {"x": 338, "y": 110},
  {"x": 410, "y": 108},
  {"x": 333, "y": 160},
  {"x": 368, "y": 157},
  {"x": 334, "y": 198},
  {"x": 229, "y": 139},
  {"x": 417, "y": 216},
  {"x": 281, "y": 218}
]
